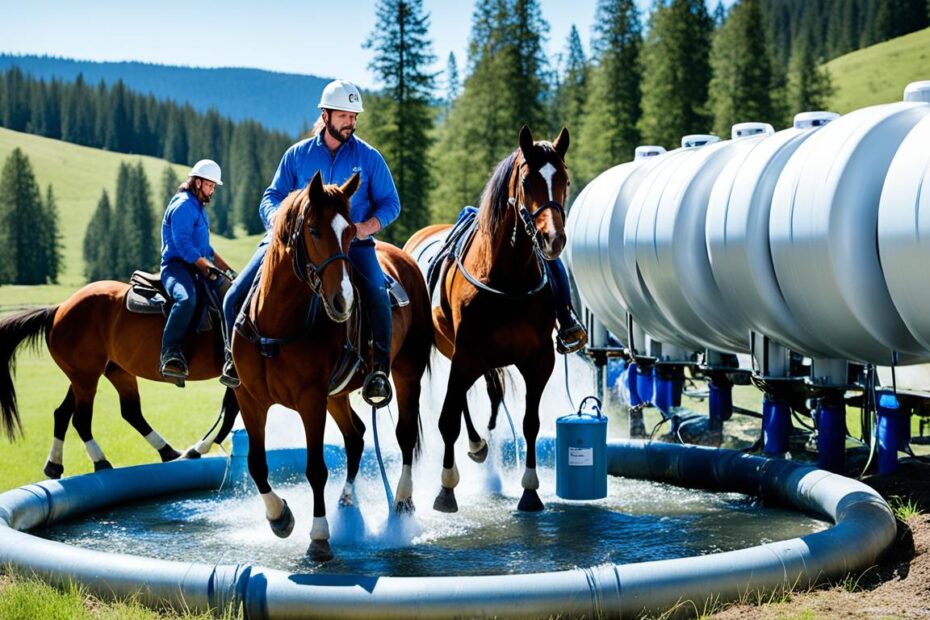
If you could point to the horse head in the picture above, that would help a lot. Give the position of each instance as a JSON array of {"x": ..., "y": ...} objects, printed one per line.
[
  {"x": 539, "y": 189},
  {"x": 321, "y": 239}
]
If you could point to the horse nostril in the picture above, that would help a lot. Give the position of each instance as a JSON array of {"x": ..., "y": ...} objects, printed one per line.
[{"x": 339, "y": 304}]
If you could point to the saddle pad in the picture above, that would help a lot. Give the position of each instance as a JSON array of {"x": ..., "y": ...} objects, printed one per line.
[{"x": 143, "y": 300}]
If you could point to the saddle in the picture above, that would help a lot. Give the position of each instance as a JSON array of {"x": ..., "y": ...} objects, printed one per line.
[
  {"x": 453, "y": 246},
  {"x": 147, "y": 295},
  {"x": 358, "y": 335}
]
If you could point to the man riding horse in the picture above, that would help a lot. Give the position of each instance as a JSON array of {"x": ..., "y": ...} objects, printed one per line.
[
  {"x": 337, "y": 154},
  {"x": 185, "y": 236}
]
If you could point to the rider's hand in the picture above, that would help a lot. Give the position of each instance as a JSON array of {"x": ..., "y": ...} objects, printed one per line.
[{"x": 204, "y": 265}]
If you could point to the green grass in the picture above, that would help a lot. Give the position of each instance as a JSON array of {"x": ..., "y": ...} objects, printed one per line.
[
  {"x": 904, "y": 508},
  {"x": 78, "y": 175},
  {"x": 878, "y": 74},
  {"x": 28, "y": 599}
]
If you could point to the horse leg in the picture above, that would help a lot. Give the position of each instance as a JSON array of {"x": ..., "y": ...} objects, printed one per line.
[
  {"x": 353, "y": 433},
  {"x": 53, "y": 466},
  {"x": 463, "y": 374},
  {"x": 85, "y": 389},
  {"x": 536, "y": 372},
  {"x": 408, "y": 369},
  {"x": 131, "y": 409},
  {"x": 279, "y": 515},
  {"x": 220, "y": 429},
  {"x": 313, "y": 413},
  {"x": 477, "y": 446}
]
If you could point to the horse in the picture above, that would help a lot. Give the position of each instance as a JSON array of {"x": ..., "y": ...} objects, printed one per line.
[
  {"x": 93, "y": 334},
  {"x": 307, "y": 266},
  {"x": 495, "y": 309}
]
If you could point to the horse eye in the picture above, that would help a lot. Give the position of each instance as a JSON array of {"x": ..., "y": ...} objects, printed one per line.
[{"x": 314, "y": 232}]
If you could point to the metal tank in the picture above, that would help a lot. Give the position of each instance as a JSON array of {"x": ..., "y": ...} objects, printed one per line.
[
  {"x": 823, "y": 235},
  {"x": 670, "y": 246},
  {"x": 648, "y": 315},
  {"x": 595, "y": 233},
  {"x": 737, "y": 232},
  {"x": 904, "y": 224}
]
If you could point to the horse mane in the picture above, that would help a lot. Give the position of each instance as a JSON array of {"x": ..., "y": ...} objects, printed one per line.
[
  {"x": 288, "y": 213},
  {"x": 492, "y": 205}
]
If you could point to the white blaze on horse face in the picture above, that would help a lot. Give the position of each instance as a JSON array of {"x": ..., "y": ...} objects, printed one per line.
[
  {"x": 339, "y": 226},
  {"x": 547, "y": 172}
]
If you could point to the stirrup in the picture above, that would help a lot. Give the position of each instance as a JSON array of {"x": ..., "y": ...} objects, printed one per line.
[
  {"x": 571, "y": 339},
  {"x": 376, "y": 391},
  {"x": 229, "y": 377},
  {"x": 173, "y": 366}
]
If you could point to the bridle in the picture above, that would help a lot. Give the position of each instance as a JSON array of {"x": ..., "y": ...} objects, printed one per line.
[
  {"x": 304, "y": 268},
  {"x": 526, "y": 216}
]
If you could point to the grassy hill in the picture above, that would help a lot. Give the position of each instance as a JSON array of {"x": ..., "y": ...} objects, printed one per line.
[
  {"x": 878, "y": 74},
  {"x": 78, "y": 175}
]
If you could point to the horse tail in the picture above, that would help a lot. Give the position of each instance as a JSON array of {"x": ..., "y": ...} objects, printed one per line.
[
  {"x": 14, "y": 330},
  {"x": 495, "y": 380}
]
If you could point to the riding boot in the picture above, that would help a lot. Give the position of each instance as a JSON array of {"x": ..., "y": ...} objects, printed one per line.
[
  {"x": 229, "y": 377},
  {"x": 173, "y": 364},
  {"x": 572, "y": 335}
]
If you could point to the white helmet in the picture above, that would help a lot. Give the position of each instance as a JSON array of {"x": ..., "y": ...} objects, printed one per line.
[
  {"x": 341, "y": 95},
  {"x": 207, "y": 169}
]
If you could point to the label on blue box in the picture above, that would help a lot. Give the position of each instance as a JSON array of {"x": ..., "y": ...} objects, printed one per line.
[{"x": 581, "y": 457}]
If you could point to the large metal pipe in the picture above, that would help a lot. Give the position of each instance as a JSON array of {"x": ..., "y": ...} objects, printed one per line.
[{"x": 864, "y": 527}]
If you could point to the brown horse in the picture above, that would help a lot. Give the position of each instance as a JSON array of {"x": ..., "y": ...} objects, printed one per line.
[
  {"x": 307, "y": 264},
  {"x": 495, "y": 309},
  {"x": 90, "y": 335}
]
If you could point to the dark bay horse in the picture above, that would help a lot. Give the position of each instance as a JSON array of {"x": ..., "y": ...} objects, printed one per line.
[
  {"x": 307, "y": 263},
  {"x": 90, "y": 335},
  {"x": 494, "y": 308}
]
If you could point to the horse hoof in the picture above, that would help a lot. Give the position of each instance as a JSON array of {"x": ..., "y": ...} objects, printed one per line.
[
  {"x": 480, "y": 455},
  {"x": 319, "y": 551},
  {"x": 284, "y": 524},
  {"x": 406, "y": 507},
  {"x": 192, "y": 454},
  {"x": 101, "y": 465},
  {"x": 167, "y": 453},
  {"x": 53, "y": 470},
  {"x": 445, "y": 501},
  {"x": 530, "y": 502}
]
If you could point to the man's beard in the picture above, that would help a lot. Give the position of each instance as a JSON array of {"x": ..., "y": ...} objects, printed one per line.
[{"x": 331, "y": 130}]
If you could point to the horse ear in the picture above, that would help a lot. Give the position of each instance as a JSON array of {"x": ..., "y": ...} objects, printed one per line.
[
  {"x": 526, "y": 141},
  {"x": 316, "y": 188},
  {"x": 351, "y": 185},
  {"x": 561, "y": 143}
]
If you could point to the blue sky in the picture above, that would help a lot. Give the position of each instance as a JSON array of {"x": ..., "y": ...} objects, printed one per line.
[{"x": 319, "y": 38}]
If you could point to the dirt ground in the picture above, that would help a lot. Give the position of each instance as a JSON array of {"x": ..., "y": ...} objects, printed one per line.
[{"x": 898, "y": 587}]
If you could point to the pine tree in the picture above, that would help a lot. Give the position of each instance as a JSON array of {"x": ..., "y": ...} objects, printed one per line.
[
  {"x": 99, "y": 243},
  {"x": 169, "y": 184},
  {"x": 453, "y": 85},
  {"x": 741, "y": 89},
  {"x": 720, "y": 14},
  {"x": 133, "y": 226},
  {"x": 245, "y": 172},
  {"x": 402, "y": 57},
  {"x": 809, "y": 85},
  {"x": 50, "y": 238},
  {"x": 29, "y": 247},
  {"x": 572, "y": 87},
  {"x": 676, "y": 71},
  {"x": 609, "y": 132}
]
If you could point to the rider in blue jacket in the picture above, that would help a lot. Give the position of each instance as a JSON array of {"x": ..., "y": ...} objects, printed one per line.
[
  {"x": 185, "y": 235},
  {"x": 337, "y": 154}
]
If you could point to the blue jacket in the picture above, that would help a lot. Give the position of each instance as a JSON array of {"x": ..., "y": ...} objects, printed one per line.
[
  {"x": 185, "y": 230},
  {"x": 376, "y": 195}
]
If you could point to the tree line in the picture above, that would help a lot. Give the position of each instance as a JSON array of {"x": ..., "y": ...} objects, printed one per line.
[
  {"x": 120, "y": 120},
  {"x": 30, "y": 241}
]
